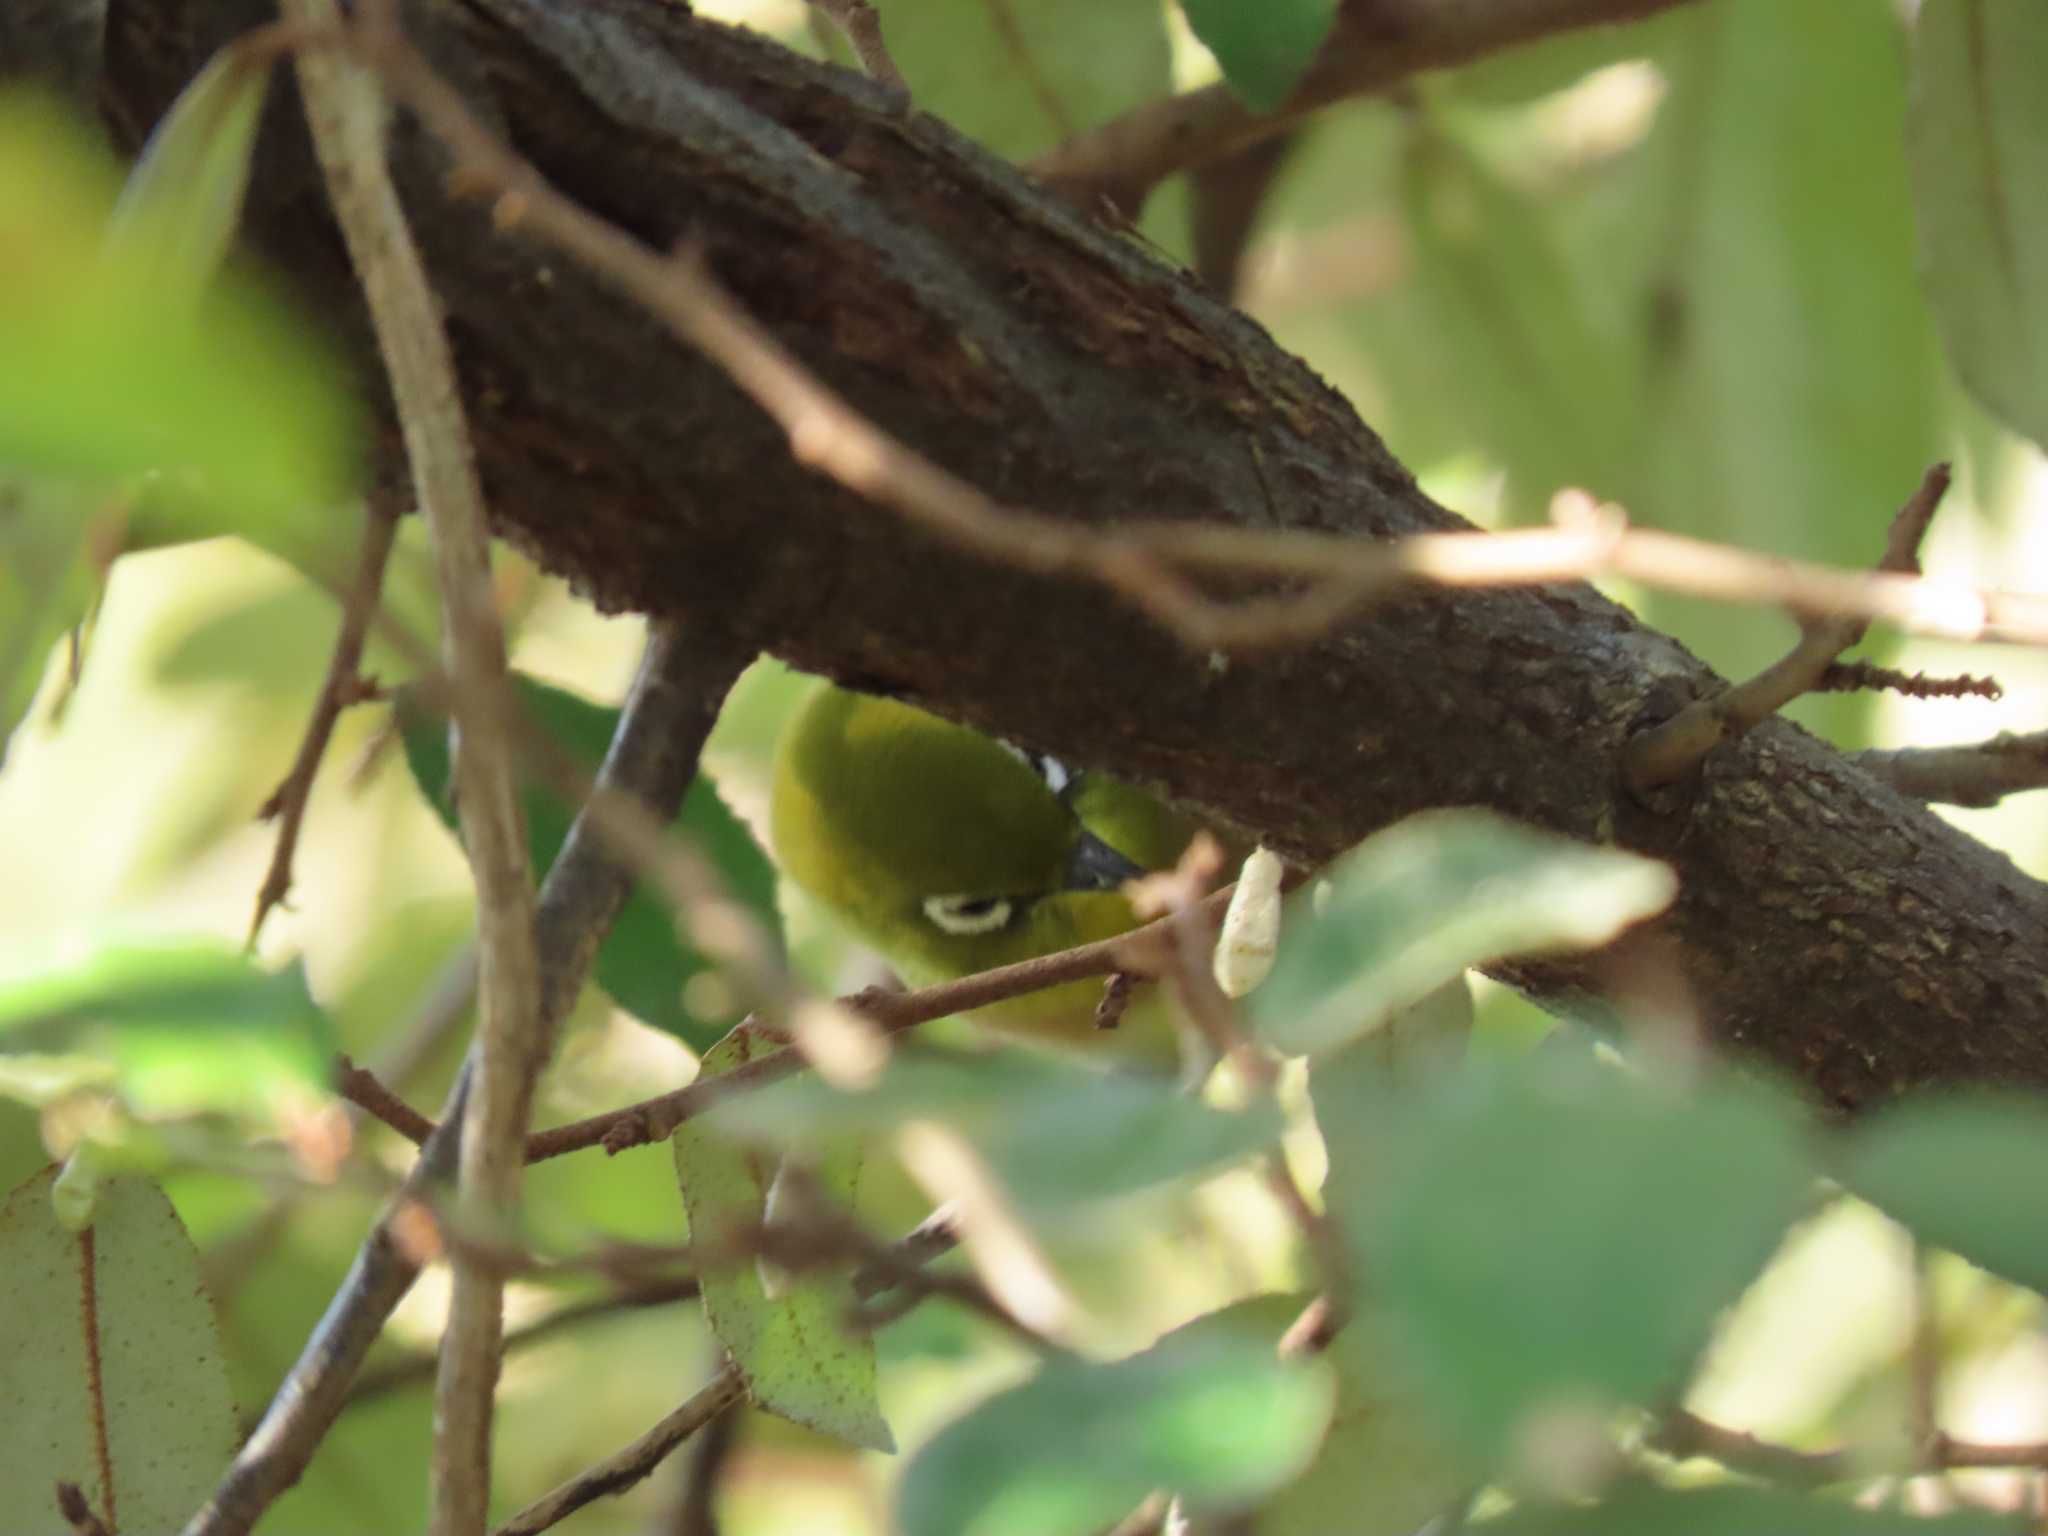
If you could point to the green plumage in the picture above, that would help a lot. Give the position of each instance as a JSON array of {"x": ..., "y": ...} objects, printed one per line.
[{"x": 950, "y": 854}]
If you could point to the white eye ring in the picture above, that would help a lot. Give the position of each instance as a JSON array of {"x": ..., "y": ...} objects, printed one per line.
[{"x": 968, "y": 914}]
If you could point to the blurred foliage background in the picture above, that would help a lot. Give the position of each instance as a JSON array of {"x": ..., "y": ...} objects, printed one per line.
[{"x": 1673, "y": 263}]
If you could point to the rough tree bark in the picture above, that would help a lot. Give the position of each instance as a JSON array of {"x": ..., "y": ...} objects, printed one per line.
[{"x": 1826, "y": 924}]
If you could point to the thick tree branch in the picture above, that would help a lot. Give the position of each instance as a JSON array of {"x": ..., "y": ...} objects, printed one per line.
[{"x": 1825, "y": 924}]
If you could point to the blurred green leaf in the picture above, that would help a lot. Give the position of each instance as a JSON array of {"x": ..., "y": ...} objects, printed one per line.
[
  {"x": 1416, "y": 904},
  {"x": 181, "y": 205},
  {"x": 1219, "y": 1420},
  {"x": 1059, "y": 1134},
  {"x": 1262, "y": 46},
  {"x": 1543, "y": 376},
  {"x": 1641, "y": 1508},
  {"x": 188, "y": 1027},
  {"x": 220, "y": 416},
  {"x": 1552, "y": 1234},
  {"x": 644, "y": 965},
  {"x": 1962, "y": 1171},
  {"x": 153, "y": 1390},
  {"x": 799, "y": 1357},
  {"x": 1977, "y": 143},
  {"x": 1386, "y": 1466},
  {"x": 47, "y": 584},
  {"x": 1019, "y": 75},
  {"x": 1793, "y": 393}
]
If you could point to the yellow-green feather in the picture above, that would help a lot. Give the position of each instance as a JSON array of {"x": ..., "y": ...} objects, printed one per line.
[{"x": 878, "y": 806}]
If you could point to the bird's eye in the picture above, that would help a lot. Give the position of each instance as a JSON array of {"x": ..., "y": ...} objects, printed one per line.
[{"x": 967, "y": 914}]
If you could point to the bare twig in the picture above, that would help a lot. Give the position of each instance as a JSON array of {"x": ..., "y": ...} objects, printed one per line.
[
  {"x": 1370, "y": 47},
  {"x": 345, "y": 110},
  {"x": 1674, "y": 748},
  {"x": 620, "y": 1471},
  {"x": 363, "y": 1089},
  {"x": 343, "y": 686},
  {"x": 1152, "y": 563},
  {"x": 652, "y": 759},
  {"x": 938, "y": 1233},
  {"x": 1139, "y": 952},
  {"x": 1979, "y": 774},
  {"x": 1862, "y": 676},
  {"x": 862, "y": 25},
  {"x": 1684, "y": 1434}
]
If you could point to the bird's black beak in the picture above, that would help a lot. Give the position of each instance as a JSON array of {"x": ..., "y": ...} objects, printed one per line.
[{"x": 1093, "y": 865}]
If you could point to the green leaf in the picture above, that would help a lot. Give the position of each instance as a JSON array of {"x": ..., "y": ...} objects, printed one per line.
[
  {"x": 110, "y": 1340},
  {"x": 643, "y": 965},
  {"x": 216, "y": 416},
  {"x": 1385, "y": 1467},
  {"x": 1962, "y": 1171},
  {"x": 178, "y": 212},
  {"x": 47, "y": 585},
  {"x": 799, "y": 1358},
  {"x": 1556, "y": 1234},
  {"x": 1262, "y": 46},
  {"x": 1020, "y": 76},
  {"x": 1059, "y": 1134},
  {"x": 185, "y": 1027},
  {"x": 1640, "y": 1508},
  {"x": 1977, "y": 144},
  {"x": 1219, "y": 1420},
  {"x": 1793, "y": 390},
  {"x": 1416, "y": 904}
]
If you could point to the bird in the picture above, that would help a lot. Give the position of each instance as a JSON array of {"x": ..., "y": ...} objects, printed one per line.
[{"x": 950, "y": 852}]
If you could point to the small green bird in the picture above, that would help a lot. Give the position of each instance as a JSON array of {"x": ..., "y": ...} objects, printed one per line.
[{"x": 951, "y": 853}]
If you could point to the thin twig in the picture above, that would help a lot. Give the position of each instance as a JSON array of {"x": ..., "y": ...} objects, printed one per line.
[
  {"x": 653, "y": 757},
  {"x": 711, "y": 1452},
  {"x": 1685, "y": 1434},
  {"x": 862, "y": 25},
  {"x": 1864, "y": 676},
  {"x": 1138, "y": 952},
  {"x": 937, "y": 1234},
  {"x": 1979, "y": 774},
  {"x": 343, "y": 686},
  {"x": 620, "y": 1471},
  {"x": 1371, "y": 47},
  {"x": 346, "y": 112},
  {"x": 1671, "y": 750},
  {"x": 363, "y": 1089}
]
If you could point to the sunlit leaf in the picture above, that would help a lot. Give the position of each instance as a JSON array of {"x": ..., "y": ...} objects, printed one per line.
[
  {"x": 1057, "y": 1133},
  {"x": 177, "y": 214},
  {"x": 47, "y": 584},
  {"x": 643, "y": 965},
  {"x": 1961, "y": 1172},
  {"x": 1020, "y": 74},
  {"x": 1641, "y": 1508},
  {"x": 109, "y": 1340},
  {"x": 1262, "y": 46},
  {"x": 1977, "y": 142},
  {"x": 798, "y": 1355},
  {"x": 186, "y": 1027},
  {"x": 219, "y": 416},
  {"x": 1218, "y": 1420},
  {"x": 1555, "y": 1235},
  {"x": 1413, "y": 906}
]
